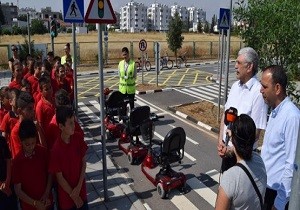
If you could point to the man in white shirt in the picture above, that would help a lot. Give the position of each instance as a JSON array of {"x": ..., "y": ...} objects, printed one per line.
[
  {"x": 280, "y": 140},
  {"x": 245, "y": 96}
]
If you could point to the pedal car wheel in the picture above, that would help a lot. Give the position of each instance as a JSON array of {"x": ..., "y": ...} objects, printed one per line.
[
  {"x": 160, "y": 190},
  {"x": 182, "y": 188},
  {"x": 130, "y": 158}
]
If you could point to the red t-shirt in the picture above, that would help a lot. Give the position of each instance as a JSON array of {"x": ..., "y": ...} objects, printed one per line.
[
  {"x": 15, "y": 142},
  {"x": 44, "y": 112},
  {"x": 15, "y": 84},
  {"x": 67, "y": 158},
  {"x": 9, "y": 121},
  {"x": 27, "y": 75},
  {"x": 54, "y": 131},
  {"x": 2, "y": 113},
  {"x": 32, "y": 173},
  {"x": 34, "y": 82}
]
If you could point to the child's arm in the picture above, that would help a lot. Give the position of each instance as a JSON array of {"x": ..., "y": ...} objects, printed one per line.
[
  {"x": 41, "y": 135},
  {"x": 76, "y": 190},
  {"x": 24, "y": 197},
  {"x": 68, "y": 189},
  {"x": 45, "y": 197},
  {"x": 5, "y": 186}
]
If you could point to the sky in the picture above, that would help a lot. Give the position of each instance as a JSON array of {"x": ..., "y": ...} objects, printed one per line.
[{"x": 210, "y": 6}]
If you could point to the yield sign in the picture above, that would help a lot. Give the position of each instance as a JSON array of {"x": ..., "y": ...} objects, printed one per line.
[{"x": 100, "y": 11}]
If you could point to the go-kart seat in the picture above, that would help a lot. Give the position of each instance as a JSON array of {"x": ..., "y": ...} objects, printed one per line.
[
  {"x": 137, "y": 117},
  {"x": 115, "y": 105},
  {"x": 172, "y": 148}
]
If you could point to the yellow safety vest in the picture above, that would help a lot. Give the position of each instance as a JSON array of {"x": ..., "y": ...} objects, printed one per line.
[{"x": 127, "y": 85}]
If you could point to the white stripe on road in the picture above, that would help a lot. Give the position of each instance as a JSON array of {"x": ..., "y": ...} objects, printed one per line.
[
  {"x": 89, "y": 112},
  {"x": 194, "y": 93},
  {"x": 181, "y": 202},
  {"x": 140, "y": 103},
  {"x": 202, "y": 190},
  {"x": 214, "y": 174}
]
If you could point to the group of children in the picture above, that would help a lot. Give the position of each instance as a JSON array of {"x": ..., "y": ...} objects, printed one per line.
[{"x": 42, "y": 147}]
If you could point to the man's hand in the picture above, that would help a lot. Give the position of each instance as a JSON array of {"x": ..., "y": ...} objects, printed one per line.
[{"x": 222, "y": 149}]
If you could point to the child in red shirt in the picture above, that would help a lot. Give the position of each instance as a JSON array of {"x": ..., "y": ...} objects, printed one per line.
[
  {"x": 34, "y": 79},
  {"x": 7, "y": 197},
  {"x": 61, "y": 99},
  {"x": 11, "y": 117},
  {"x": 17, "y": 76},
  {"x": 4, "y": 102},
  {"x": 25, "y": 110},
  {"x": 68, "y": 163},
  {"x": 45, "y": 108},
  {"x": 31, "y": 179}
]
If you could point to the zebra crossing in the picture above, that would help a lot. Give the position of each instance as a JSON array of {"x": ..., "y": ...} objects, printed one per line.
[
  {"x": 206, "y": 92},
  {"x": 198, "y": 189}
]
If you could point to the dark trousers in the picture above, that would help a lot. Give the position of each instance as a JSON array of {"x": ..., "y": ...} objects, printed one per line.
[
  {"x": 8, "y": 202},
  {"x": 270, "y": 198},
  {"x": 227, "y": 163},
  {"x": 131, "y": 100}
]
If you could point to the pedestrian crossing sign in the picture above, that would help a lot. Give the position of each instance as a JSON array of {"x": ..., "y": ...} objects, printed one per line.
[
  {"x": 73, "y": 11},
  {"x": 224, "y": 19}
]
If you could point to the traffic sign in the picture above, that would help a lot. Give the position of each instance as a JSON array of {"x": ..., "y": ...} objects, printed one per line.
[
  {"x": 143, "y": 45},
  {"x": 73, "y": 11},
  {"x": 224, "y": 19},
  {"x": 100, "y": 11}
]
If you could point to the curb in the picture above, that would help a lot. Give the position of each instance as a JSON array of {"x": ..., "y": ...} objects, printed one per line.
[
  {"x": 153, "y": 91},
  {"x": 185, "y": 116}
]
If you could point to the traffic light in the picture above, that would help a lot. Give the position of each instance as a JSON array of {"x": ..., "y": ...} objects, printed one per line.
[
  {"x": 101, "y": 8},
  {"x": 53, "y": 28}
]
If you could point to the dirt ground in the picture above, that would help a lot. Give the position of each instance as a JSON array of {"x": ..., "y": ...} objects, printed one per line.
[{"x": 203, "y": 111}]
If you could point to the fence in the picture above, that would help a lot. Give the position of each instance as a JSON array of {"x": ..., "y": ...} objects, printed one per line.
[{"x": 88, "y": 51}]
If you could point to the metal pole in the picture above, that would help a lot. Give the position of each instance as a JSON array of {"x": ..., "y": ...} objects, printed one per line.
[
  {"x": 157, "y": 63},
  {"x": 143, "y": 65},
  {"x": 221, "y": 72},
  {"x": 28, "y": 28},
  {"x": 228, "y": 53},
  {"x": 101, "y": 87},
  {"x": 74, "y": 68},
  {"x": 295, "y": 193}
]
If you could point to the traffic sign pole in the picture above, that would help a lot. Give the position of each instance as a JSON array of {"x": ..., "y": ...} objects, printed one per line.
[
  {"x": 143, "y": 47},
  {"x": 228, "y": 53},
  {"x": 101, "y": 99},
  {"x": 101, "y": 12}
]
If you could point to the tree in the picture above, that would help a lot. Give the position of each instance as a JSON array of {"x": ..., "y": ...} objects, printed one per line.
[
  {"x": 38, "y": 27},
  {"x": 272, "y": 29},
  {"x": 213, "y": 23},
  {"x": 200, "y": 27},
  {"x": 22, "y": 18},
  {"x": 206, "y": 27},
  {"x": 174, "y": 37}
]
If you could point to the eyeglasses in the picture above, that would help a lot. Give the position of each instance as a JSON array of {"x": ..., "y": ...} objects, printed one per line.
[{"x": 14, "y": 50}]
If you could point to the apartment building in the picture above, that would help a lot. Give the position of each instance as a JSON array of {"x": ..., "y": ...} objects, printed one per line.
[
  {"x": 158, "y": 17},
  {"x": 182, "y": 11},
  {"x": 133, "y": 17},
  {"x": 196, "y": 15},
  {"x": 10, "y": 13}
]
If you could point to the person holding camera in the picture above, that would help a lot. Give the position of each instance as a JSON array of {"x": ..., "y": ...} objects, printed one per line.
[{"x": 243, "y": 186}]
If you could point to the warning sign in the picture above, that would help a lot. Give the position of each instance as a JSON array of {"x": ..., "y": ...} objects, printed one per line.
[{"x": 224, "y": 19}]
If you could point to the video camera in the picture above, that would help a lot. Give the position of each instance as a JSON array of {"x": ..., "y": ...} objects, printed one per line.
[{"x": 230, "y": 116}]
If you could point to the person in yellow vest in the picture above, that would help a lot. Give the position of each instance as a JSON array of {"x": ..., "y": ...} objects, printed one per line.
[{"x": 127, "y": 74}]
